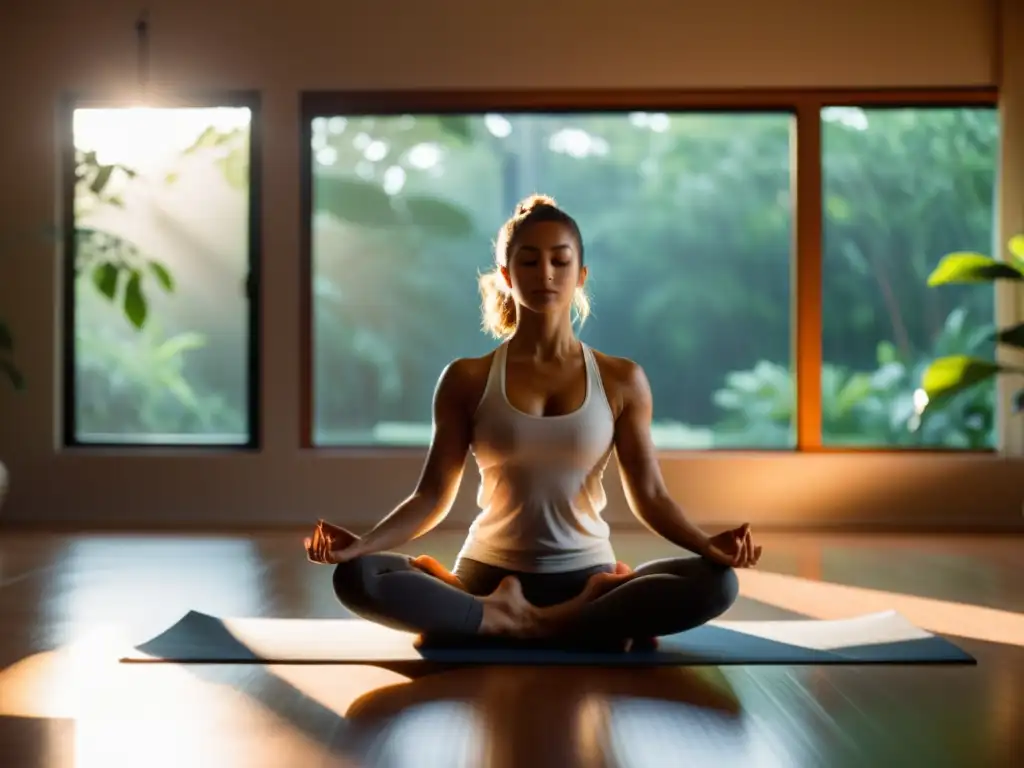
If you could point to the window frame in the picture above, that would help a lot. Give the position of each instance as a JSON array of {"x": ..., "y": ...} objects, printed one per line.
[
  {"x": 805, "y": 105},
  {"x": 69, "y": 102}
]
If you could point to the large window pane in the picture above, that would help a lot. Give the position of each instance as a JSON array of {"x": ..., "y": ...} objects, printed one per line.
[
  {"x": 160, "y": 303},
  {"x": 687, "y": 220},
  {"x": 903, "y": 188}
]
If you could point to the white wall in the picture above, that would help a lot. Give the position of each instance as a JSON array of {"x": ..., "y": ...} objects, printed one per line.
[{"x": 282, "y": 49}]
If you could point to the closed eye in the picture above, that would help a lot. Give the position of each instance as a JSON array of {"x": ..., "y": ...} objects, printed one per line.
[{"x": 535, "y": 262}]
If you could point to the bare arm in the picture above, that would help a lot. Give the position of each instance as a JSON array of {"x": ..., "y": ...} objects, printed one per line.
[
  {"x": 641, "y": 476},
  {"x": 442, "y": 472}
]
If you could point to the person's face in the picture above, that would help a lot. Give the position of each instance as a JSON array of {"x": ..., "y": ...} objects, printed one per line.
[{"x": 543, "y": 270}]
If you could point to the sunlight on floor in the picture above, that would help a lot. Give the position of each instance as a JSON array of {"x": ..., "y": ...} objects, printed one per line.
[
  {"x": 122, "y": 712},
  {"x": 823, "y": 600},
  {"x": 85, "y": 679}
]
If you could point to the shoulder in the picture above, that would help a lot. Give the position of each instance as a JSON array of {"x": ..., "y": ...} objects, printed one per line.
[
  {"x": 463, "y": 380},
  {"x": 624, "y": 380}
]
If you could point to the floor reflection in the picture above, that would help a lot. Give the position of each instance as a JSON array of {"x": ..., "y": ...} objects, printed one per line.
[
  {"x": 588, "y": 716},
  {"x": 140, "y": 583},
  {"x": 169, "y": 714}
]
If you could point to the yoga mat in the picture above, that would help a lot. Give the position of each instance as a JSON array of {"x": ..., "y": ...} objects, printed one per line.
[{"x": 877, "y": 638}]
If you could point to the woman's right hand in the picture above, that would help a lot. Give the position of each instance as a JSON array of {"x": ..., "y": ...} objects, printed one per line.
[{"x": 331, "y": 544}]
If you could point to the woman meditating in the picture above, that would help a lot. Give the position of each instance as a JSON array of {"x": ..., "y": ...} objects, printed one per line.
[{"x": 542, "y": 415}]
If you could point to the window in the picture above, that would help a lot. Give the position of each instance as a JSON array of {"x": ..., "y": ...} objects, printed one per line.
[
  {"x": 161, "y": 300},
  {"x": 688, "y": 227},
  {"x": 901, "y": 188}
]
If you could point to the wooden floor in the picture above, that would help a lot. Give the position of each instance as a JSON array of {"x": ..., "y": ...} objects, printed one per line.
[{"x": 66, "y": 601}]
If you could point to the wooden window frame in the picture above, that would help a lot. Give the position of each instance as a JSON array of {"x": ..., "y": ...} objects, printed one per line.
[{"x": 805, "y": 105}]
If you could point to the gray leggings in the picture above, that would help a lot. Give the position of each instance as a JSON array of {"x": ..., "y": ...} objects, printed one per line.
[{"x": 665, "y": 596}]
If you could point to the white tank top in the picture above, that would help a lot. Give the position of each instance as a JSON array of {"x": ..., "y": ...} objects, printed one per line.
[{"x": 541, "y": 493}]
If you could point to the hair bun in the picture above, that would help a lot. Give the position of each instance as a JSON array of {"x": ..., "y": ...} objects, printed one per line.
[{"x": 534, "y": 201}]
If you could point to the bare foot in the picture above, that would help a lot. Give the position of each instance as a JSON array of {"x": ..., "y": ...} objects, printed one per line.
[
  {"x": 432, "y": 567},
  {"x": 558, "y": 619},
  {"x": 507, "y": 612}
]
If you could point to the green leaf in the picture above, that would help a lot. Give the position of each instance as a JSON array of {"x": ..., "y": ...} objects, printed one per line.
[
  {"x": 1013, "y": 336},
  {"x": 353, "y": 200},
  {"x": 854, "y": 391},
  {"x": 182, "y": 391},
  {"x": 208, "y": 138},
  {"x": 6, "y": 339},
  {"x": 179, "y": 344},
  {"x": 235, "y": 168},
  {"x": 13, "y": 374},
  {"x": 438, "y": 216},
  {"x": 1016, "y": 248},
  {"x": 965, "y": 267},
  {"x": 105, "y": 277},
  {"x": 838, "y": 208},
  {"x": 456, "y": 125},
  {"x": 135, "y": 308},
  {"x": 887, "y": 353},
  {"x": 162, "y": 274},
  {"x": 947, "y": 376},
  {"x": 102, "y": 177}
]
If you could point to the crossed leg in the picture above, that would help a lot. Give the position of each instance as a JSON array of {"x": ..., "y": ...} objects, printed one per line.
[{"x": 659, "y": 598}]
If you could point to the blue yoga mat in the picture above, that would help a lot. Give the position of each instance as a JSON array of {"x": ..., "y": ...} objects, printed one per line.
[{"x": 877, "y": 638}]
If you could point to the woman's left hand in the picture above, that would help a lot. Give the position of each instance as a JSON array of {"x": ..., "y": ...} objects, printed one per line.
[{"x": 733, "y": 548}]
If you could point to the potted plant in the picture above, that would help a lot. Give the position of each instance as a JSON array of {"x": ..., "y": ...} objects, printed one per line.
[{"x": 950, "y": 375}]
